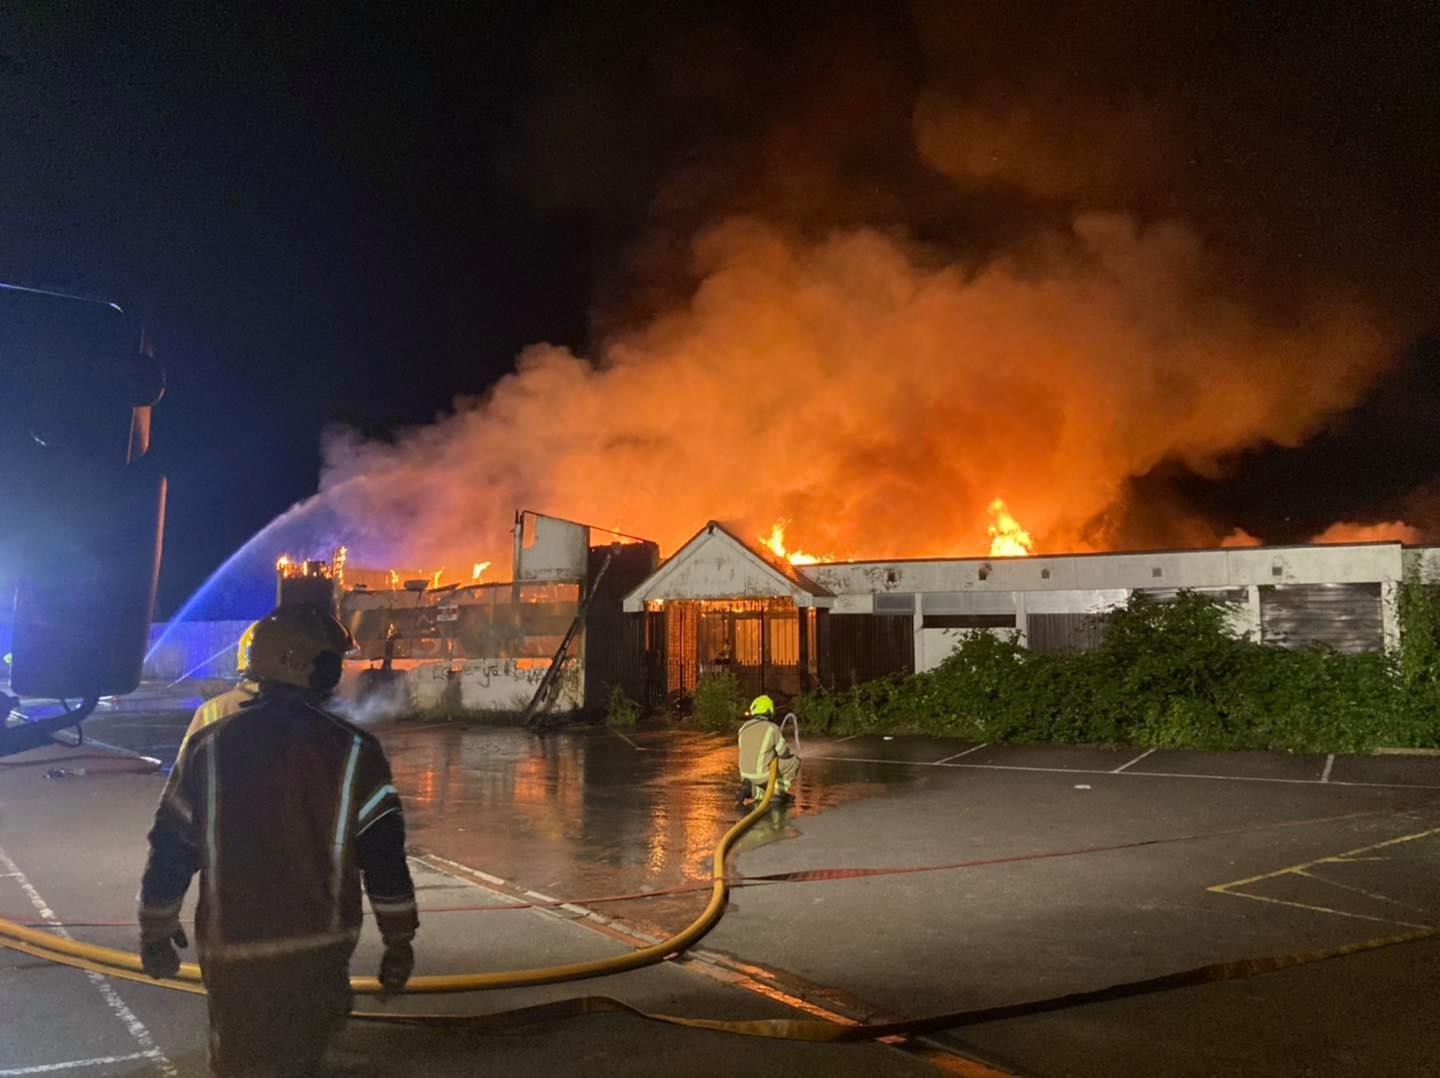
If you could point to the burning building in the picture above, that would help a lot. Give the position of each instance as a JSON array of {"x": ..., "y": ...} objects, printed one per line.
[
  {"x": 551, "y": 638},
  {"x": 720, "y": 603},
  {"x": 580, "y": 618}
]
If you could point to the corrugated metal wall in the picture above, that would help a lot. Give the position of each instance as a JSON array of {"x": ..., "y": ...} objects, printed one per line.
[
  {"x": 197, "y": 649},
  {"x": 1346, "y": 617}
]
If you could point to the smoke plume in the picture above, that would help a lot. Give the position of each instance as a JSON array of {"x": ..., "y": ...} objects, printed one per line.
[
  {"x": 876, "y": 397},
  {"x": 891, "y": 299}
]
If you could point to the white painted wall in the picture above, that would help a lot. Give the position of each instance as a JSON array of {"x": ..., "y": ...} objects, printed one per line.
[
  {"x": 1339, "y": 564},
  {"x": 556, "y": 550},
  {"x": 933, "y": 646},
  {"x": 713, "y": 565},
  {"x": 505, "y": 685},
  {"x": 476, "y": 684},
  {"x": 1091, "y": 583}
]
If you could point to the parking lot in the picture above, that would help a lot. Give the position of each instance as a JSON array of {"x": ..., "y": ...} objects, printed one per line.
[{"x": 934, "y": 876}]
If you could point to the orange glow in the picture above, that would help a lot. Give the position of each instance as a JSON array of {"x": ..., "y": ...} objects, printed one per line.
[
  {"x": 775, "y": 543},
  {"x": 883, "y": 433},
  {"x": 395, "y": 580},
  {"x": 1007, "y": 538},
  {"x": 480, "y": 567},
  {"x": 435, "y": 577},
  {"x": 1386, "y": 531},
  {"x": 290, "y": 569}
]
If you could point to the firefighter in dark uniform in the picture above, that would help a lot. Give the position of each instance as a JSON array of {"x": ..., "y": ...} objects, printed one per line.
[{"x": 283, "y": 809}]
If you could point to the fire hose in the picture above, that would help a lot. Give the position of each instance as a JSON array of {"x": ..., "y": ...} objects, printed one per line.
[{"x": 125, "y": 965}]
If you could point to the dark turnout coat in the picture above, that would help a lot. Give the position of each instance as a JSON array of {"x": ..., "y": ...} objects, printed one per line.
[{"x": 282, "y": 808}]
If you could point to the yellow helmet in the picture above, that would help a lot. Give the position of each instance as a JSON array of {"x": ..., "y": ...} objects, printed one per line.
[
  {"x": 761, "y": 705},
  {"x": 242, "y": 649},
  {"x": 300, "y": 645}
]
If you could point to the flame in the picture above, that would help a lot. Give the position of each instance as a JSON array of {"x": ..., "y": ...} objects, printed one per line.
[
  {"x": 394, "y": 580},
  {"x": 435, "y": 577},
  {"x": 775, "y": 542},
  {"x": 282, "y": 562},
  {"x": 1396, "y": 531},
  {"x": 480, "y": 567},
  {"x": 1007, "y": 538},
  {"x": 835, "y": 334}
]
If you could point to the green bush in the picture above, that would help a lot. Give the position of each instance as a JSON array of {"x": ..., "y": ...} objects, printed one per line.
[
  {"x": 620, "y": 710},
  {"x": 1166, "y": 674},
  {"x": 717, "y": 701},
  {"x": 1420, "y": 632}
]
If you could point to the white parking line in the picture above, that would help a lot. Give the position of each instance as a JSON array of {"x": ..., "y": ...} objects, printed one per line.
[
  {"x": 1127, "y": 763},
  {"x": 1129, "y": 774},
  {"x": 132, "y": 1024},
  {"x": 967, "y": 752},
  {"x": 1329, "y": 763},
  {"x": 98, "y": 1061}
]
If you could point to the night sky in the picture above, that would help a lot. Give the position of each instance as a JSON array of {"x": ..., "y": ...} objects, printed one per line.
[{"x": 353, "y": 215}]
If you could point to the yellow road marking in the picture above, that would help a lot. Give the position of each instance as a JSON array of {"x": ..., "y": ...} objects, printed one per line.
[
  {"x": 1348, "y": 857},
  {"x": 1334, "y": 858},
  {"x": 1359, "y": 890}
]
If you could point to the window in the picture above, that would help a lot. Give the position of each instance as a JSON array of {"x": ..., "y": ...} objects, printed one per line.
[
  {"x": 968, "y": 621},
  {"x": 1157, "y": 571},
  {"x": 895, "y": 603}
]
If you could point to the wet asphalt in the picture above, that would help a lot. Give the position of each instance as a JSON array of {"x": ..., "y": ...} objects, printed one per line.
[{"x": 1243, "y": 854}]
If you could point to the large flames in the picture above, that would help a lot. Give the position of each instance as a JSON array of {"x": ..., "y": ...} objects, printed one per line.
[
  {"x": 775, "y": 543},
  {"x": 879, "y": 398},
  {"x": 1007, "y": 538}
]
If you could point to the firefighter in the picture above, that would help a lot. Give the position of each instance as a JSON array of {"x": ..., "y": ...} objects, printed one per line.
[
  {"x": 761, "y": 742},
  {"x": 230, "y": 701},
  {"x": 283, "y": 809}
]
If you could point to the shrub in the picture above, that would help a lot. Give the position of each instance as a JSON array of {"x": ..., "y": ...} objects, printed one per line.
[
  {"x": 1419, "y": 631},
  {"x": 1166, "y": 674},
  {"x": 717, "y": 701},
  {"x": 620, "y": 710}
]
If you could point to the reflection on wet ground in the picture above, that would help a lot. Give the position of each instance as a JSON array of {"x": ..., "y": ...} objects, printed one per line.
[{"x": 589, "y": 812}]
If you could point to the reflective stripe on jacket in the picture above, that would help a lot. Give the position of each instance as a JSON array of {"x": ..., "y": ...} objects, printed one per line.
[
  {"x": 220, "y": 707},
  {"x": 760, "y": 742}
]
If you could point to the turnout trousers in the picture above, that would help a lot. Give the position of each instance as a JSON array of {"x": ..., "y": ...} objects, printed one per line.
[{"x": 275, "y": 1017}]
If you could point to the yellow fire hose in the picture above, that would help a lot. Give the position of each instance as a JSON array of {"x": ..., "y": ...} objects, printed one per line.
[{"x": 126, "y": 964}]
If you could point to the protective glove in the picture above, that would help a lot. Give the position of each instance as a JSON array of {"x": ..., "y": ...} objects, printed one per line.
[
  {"x": 159, "y": 957},
  {"x": 396, "y": 966}
]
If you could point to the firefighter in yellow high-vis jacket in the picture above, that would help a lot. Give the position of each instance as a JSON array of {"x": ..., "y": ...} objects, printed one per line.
[
  {"x": 287, "y": 812},
  {"x": 761, "y": 742},
  {"x": 233, "y": 699}
]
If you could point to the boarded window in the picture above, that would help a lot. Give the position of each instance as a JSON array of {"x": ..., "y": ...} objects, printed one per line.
[
  {"x": 894, "y": 603},
  {"x": 969, "y": 621},
  {"x": 967, "y": 602},
  {"x": 1063, "y": 634},
  {"x": 1236, "y": 596},
  {"x": 1346, "y": 617}
]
